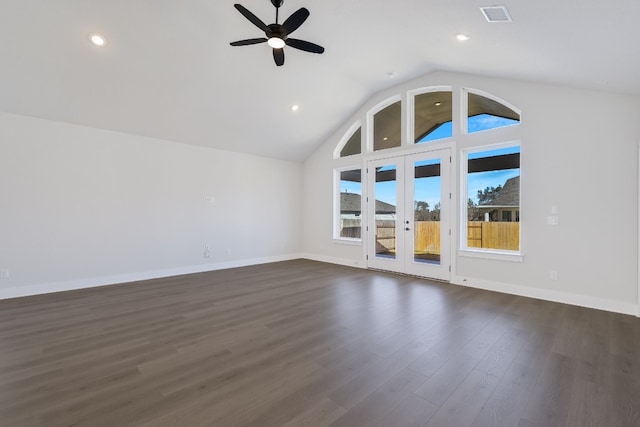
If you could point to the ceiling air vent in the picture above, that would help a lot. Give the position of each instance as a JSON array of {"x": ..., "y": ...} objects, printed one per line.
[{"x": 496, "y": 13}]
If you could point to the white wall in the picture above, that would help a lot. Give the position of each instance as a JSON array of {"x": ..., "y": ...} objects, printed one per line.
[
  {"x": 579, "y": 153},
  {"x": 82, "y": 207}
]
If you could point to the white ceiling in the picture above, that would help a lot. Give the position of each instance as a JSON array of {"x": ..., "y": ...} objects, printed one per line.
[{"x": 168, "y": 71}]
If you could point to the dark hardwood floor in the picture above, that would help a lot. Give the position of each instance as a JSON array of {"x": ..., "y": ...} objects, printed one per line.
[{"x": 302, "y": 343}]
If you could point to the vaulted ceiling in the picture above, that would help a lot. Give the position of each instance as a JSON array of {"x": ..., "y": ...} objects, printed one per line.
[{"x": 169, "y": 72}]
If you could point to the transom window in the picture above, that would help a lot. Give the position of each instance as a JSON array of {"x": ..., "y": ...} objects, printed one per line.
[
  {"x": 432, "y": 116},
  {"x": 353, "y": 144},
  {"x": 484, "y": 113},
  {"x": 387, "y": 125}
]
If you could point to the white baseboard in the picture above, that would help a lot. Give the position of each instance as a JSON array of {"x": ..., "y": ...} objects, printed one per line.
[
  {"x": 542, "y": 294},
  {"x": 551, "y": 295},
  {"x": 333, "y": 260},
  {"x": 524, "y": 291},
  {"x": 92, "y": 282}
]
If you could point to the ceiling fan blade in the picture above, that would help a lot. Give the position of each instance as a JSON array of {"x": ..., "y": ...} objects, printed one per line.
[
  {"x": 295, "y": 20},
  {"x": 248, "y": 42},
  {"x": 251, "y": 17},
  {"x": 278, "y": 56},
  {"x": 305, "y": 45}
]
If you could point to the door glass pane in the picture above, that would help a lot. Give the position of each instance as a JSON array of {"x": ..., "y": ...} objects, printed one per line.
[
  {"x": 385, "y": 193},
  {"x": 426, "y": 206},
  {"x": 386, "y": 127}
]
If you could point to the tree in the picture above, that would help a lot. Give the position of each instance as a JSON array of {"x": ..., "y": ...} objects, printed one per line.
[
  {"x": 421, "y": 206},
  {"x": 434, "y": 215},
  {"x": 488, "y": 195},
  {"x": 422, "y": 212}
]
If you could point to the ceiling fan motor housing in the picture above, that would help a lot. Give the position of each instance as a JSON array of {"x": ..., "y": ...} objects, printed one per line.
[{"x": 276, "y": 30}]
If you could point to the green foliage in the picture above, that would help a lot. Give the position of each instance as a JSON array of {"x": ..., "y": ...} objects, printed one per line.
[{"x": 423, "y": 213}]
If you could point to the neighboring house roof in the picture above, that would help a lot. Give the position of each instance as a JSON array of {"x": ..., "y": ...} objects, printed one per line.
[
  {"x": 352, "y": 203},
  {"x": 509, "y": 196}
]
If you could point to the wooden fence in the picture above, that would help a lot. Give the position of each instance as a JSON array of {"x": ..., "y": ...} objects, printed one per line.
[
  {"x": 488, "y": 235},
  {"x": 493, "y": 235}
]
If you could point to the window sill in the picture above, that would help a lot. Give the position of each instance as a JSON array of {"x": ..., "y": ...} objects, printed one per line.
[
  {"x": 351, "y": 242},
  {"x": 495, "y": 255}
]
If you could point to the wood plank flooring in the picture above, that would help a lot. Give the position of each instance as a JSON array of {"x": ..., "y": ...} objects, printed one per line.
[{"x": 302, "y": 343}]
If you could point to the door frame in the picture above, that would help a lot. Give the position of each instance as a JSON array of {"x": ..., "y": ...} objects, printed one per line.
[{"x": 406, "y": 263}]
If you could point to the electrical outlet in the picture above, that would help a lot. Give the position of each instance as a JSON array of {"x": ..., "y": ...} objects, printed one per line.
[
  {"x": 552, "y": 220},
  {"x": 210, "y": 200},
  {"x": 4, "y": 273},
  {"x": 207, "y": 251},
  {"x": 553, "y": 275}
]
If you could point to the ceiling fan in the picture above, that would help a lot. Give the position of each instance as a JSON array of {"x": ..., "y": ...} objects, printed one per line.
[{"x": 277, "y": 35}]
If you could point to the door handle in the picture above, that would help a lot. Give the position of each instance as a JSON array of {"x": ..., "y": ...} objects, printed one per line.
[{"x": 407, "y": 229}]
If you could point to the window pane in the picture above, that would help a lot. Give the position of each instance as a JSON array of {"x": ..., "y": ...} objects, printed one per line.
[
  {"x": 493, "y": 208},
  {"x": 386, "y": 197},
  {"x": 486, "y": 114},
  {"x": 432, "y": 116},
  {"x": 386, "y": 127},
  {"x": 353, "y": 145},
  {"x": 351, "y": 204}
]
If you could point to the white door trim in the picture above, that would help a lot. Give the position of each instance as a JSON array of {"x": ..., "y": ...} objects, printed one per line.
[{"x": 404, "y": 261}]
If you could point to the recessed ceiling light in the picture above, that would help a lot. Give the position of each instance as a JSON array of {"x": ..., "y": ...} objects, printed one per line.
[
  {"x": 437, "y": 104},
  {"x": 295, "y": 107},
  {"x": 462, "y": 37},
  {"x": 391, "y": 74},
  {"x": 385, "y": 139},
  {"x": 98, "y": 40}
]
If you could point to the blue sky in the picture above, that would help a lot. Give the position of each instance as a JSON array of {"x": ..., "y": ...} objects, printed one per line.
[{"x": 474, "y": 124}]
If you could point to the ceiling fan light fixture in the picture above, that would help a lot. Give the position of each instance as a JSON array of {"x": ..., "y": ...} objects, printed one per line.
[{"x": 276, "y": 42}]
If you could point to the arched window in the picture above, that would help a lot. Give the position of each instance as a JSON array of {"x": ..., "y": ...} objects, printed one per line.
[
  {"x": 486, "y": 113},
  {"x": 387, "y": 126},
  {"x": 351, "y": 143},
  {"x": 432, "y": 112}
]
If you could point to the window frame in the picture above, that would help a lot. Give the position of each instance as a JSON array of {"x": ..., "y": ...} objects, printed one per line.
[
  {"x": 337, "y": 208},
  {"x": 463, "y": 248}
]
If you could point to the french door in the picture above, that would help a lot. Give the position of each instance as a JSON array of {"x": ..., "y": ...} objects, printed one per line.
[{"x": 408, "y": 205}]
